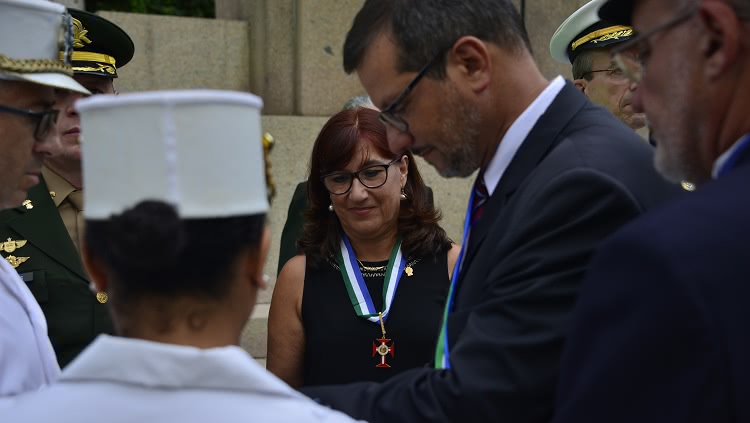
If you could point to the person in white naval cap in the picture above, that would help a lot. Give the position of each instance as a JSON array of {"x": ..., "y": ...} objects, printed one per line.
[
  {"x": 179, "y": 245},
  {"x": 31, "y": 32},
  {"x": 584, "y": 41}
]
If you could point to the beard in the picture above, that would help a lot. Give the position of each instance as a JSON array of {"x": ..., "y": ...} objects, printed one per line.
[{"x": 459, "y": 135}]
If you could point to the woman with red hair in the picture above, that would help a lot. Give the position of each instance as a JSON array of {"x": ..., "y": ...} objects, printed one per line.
[{"x": 365, "y": 299}]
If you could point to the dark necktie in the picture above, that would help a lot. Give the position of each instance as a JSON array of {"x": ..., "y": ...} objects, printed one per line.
[{"x": 480, "y": 199}]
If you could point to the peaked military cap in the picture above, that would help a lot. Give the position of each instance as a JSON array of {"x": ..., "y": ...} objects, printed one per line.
[
  {"x": 585, "y": 30},
  {"x": 99, "y": 46},
  {"x": 32, "y": 32}
]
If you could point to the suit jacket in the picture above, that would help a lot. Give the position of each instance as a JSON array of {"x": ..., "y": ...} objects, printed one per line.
[
  {"x": 661, "y": 332},
  {"x": 55, "y": 274},
  {"x": 578, "y": 176}
]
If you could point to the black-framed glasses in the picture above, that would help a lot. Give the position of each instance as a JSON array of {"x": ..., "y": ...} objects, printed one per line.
[
  {"x": 389, "y": 115},
  {"x": 43, "y": 121},
  {"x": 634, "y": 66},
  {"x": 375, "y": 176}
]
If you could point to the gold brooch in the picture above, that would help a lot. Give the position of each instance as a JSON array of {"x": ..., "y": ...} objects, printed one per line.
[
  {"x": 408, "y": 270},
  {"x": 102, "y": 297}
]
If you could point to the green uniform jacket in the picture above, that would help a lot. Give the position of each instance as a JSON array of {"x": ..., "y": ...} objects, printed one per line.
[{"x": 55, "y": 274}]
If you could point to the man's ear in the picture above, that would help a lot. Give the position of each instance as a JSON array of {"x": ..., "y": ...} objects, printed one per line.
[
  {"x": 581, "y": 84},
  {"x": 470, "y": 58},
  {"x": 722, "y": 38},
  {"x": 96, "y": 269}
]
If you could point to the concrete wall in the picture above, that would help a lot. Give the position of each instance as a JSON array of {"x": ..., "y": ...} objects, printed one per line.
[{"x": 177, "y": 52}]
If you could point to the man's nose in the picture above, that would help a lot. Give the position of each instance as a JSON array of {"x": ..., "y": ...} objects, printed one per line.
[{"x": 398, "y": 141}]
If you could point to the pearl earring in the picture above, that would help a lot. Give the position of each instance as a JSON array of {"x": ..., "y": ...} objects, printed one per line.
[
  {"x": 403, "y": 194},
  {"x": 330, "y": 207}
]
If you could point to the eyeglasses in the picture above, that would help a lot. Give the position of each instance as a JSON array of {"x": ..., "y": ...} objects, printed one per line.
[
  {"x": 375, "y": 176},
  {"x": 389, "y": 115},
  {"x": 615, "y": 72},
  {"x": 43, "y": 121},
  {"x": 633, "y": 67}
]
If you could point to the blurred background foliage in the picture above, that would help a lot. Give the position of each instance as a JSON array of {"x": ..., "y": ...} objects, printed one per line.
[{"x": 197, "y": 8}]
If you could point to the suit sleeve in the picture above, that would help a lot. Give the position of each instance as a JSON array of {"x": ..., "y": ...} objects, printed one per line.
[
  {"x": 505, "y": 361},
  {"x": 640, "y": 348}
]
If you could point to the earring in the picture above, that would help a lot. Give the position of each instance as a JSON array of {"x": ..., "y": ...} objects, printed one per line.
[
  {"x": 403, "y": 194},
  {"x": 330, "y": 207}
]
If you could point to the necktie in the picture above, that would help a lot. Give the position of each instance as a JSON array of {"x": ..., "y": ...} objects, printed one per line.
[
  {"x": 480, "y": 199},
  {"x": 76, "y": 229}
]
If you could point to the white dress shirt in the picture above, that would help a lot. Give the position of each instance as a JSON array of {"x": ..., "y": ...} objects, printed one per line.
[
  {"x": 125, "y": 380},
  {"x": 27, "y": 360},
  {"x": 517, "y": 133}
]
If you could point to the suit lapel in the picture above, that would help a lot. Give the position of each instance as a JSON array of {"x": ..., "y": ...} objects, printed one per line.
[
  {"x": 43, "y": 227},
  {"x": 542, "y": 139}
]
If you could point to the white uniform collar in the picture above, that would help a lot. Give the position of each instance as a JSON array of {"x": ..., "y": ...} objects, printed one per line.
[
  {"x": 518, "y": 132},
  {"x": 167, "y": 366}
]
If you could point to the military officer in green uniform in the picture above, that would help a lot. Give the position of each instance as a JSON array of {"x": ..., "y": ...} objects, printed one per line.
[{"x": 41, "y": 239}]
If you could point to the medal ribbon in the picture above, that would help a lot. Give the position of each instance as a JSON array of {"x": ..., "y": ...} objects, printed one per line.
[
  {"x": 355, "y": 284},
  {"x": 441, "y": 349}
]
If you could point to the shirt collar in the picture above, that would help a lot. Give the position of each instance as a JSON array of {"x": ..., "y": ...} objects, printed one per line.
[
  {"x": 167, "y": 366},
  {"x": 518, "y": 132},
  {"x": 58, "y": 185}
]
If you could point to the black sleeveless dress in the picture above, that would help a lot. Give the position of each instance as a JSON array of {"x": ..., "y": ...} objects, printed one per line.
[{"x": 339, "y": 344}]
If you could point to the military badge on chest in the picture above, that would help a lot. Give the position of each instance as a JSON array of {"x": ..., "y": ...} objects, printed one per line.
[{"x": 10, "y": 246}]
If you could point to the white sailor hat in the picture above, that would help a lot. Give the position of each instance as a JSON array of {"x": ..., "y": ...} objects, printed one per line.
[
  {"x": 584, "y": 30},
  {"x": 32, "y": 34},
  {"x": 198, "y": 150}
]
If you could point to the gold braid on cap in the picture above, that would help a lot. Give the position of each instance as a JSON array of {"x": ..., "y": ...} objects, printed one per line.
[
  {"x": 267, "y": 147},
  {"x": 34, "y": 66}
]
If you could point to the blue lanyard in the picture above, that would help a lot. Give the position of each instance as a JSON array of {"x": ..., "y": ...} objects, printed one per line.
[
  {"x": 743, "y": 145},
  {"x": 444, "y": 361}
]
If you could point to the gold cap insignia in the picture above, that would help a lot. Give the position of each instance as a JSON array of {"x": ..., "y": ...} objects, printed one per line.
[
  {"x": 15, "y": 261},
  {"x": 9, "y": 246},
  {"x": 79, "y": 34}
]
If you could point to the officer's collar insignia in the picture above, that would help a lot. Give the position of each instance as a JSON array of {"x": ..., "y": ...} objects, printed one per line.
[
  {"x": 79, "y": 34},
  {"x": 28, "y": 204}
]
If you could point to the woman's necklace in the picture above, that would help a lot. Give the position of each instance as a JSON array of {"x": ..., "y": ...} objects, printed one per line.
[{"x": 371, "y": 268}]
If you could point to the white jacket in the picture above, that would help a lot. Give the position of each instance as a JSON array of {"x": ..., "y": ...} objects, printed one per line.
[
  {"x": 124, "y": 380},
  {"x": 27, "y": 360}
]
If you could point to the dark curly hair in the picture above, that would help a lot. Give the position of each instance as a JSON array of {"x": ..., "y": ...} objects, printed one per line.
[
  {"x": 151, "y": 252},
  {"x": 335, "y": 146}
]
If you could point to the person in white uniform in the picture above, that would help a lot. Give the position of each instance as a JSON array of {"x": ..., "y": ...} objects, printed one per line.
[
  {"x": 176, "y": 235},
  {"x": 30, "y": 70}
]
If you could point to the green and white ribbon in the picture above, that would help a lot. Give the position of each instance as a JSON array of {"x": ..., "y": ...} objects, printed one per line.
[{"x": 355, "y": 284}]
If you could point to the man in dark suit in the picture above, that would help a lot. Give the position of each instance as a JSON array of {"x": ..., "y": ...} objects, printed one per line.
[
  {"x": 50, "y": 220},
  {"x": 660, "y": 334},
  {"x": 557, "y": 175}
]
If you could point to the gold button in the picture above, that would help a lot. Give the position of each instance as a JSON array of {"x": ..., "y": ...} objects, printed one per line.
[{"x": 101, "y": 297}]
